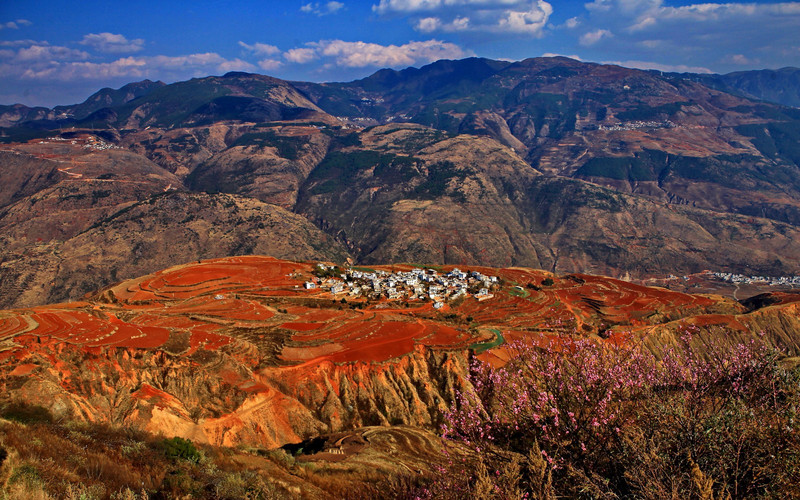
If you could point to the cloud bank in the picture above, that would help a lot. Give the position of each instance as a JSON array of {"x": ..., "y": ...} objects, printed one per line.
[
  {"x": 362, "y": 54},
  {"x": 509, "y": 17},
  {"x": 322, "y": 9},
  {"x": 112, "y": 43},
  {"x": 696, "y": 34}
]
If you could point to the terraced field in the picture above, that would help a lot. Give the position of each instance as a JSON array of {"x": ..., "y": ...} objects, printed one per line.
[{"x": 236, "y": 350}]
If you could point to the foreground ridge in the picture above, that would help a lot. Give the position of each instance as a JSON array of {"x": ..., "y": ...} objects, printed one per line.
[{"x": 244, "y": 350}]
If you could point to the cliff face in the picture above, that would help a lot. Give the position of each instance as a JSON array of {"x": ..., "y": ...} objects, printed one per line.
[
  {"x": 412, "y": 390},
  {"x": 224, "y": 398}
]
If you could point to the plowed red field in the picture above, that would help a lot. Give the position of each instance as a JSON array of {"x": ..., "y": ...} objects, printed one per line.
[{"x": 222, "y": 303}]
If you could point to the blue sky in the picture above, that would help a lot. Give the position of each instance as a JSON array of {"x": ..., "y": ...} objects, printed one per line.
[{"x": 61, "y": 52}]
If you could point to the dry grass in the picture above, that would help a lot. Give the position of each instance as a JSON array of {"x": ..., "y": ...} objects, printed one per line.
[{"x": 45, "y": 459}]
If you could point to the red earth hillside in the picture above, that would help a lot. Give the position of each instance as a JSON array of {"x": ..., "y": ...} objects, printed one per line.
[{"x": 237, "y": 350}]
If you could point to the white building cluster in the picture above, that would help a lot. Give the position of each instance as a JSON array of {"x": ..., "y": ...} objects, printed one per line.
[
  {"x": 637, "y": 125},
  {"x": 89, "y": 142},
  {"x": 417, "y": 284},
  {"x": 99, "y": 145},
  {"x": 771, "y": 280}
]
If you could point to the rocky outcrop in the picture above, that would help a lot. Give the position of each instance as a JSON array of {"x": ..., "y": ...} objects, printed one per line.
[{"x": 223, "y": 398}]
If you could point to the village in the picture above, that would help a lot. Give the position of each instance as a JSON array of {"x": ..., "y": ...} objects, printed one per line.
[
  {"x": 87, "y": 141},
  {"x": 725, "y": 283},
  {"x": 771, "y": 280},
  {"x": 636, "y": 125},
  {"x": 416, "y": 284}
]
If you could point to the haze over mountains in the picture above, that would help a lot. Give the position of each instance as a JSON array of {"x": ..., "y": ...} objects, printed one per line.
[{"x": 548, "y": 162}]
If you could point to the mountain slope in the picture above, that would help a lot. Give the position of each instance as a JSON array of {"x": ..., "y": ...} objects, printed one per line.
[
  {"x": 546, "y": 162},
  {"x": 109, "y": 98},
  {"x": 236, "y": 351},
  {"x": 668, "y": 138},
  {"x": 77, "y": 215},
  {"x": 159, "y": 232},
  {"x": 781, "y": 86}
]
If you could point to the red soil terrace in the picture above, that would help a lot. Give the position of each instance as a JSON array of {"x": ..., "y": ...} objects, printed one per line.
[
  {"x": 234, "y": 350},
  {"x": 210, "y": 300}
]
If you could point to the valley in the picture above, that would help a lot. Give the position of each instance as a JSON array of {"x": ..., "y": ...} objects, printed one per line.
[{"x": 548, "y": 162}]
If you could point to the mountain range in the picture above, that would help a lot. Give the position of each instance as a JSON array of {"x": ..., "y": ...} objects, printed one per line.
[{"x": 548, "y": 162}]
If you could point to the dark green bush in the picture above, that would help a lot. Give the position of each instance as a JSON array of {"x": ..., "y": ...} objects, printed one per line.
[
  {"x": 25, "y": 413},
  {"x": 179, "y": 448}
]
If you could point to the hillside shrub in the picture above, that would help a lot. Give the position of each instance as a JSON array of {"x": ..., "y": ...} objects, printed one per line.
[
  {"x": 579, "y": 418},
  {"x": 25, "y": 413},
  {"x": 179, "y": 448}
]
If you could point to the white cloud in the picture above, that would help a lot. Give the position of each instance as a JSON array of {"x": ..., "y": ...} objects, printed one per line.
[
  {"x": 21, "y": 43},
  {"x": 716, "y": 12},
  {"x": 15, "y": 25},
  {"x": 676, "y": 68},
  {"x": 651, "y": 44},
  {"x": 43, "y": 53},
  {"x": 695, "y": 35},
  {"x": 740, "y": 59},
  {"x": 112, "y": 43},
  {"x": 235, "y": 65},
  {"x": 599, "y": 6},
  {"x": 430, "y": 24},
  {"x": 552, "y": 54},
  {"x": 210, "y": 61},
  {"x": 410, "y": 6},
  {"x": 322, "y": 9},
  {"x": 531, "y": 21},
  {"x": 260, "y": 49},
  {"x": 528, "y": 17},
  {"x": 572, "y": 22},
  {"x": 43, "y": 62},
  {"x": 593, "y": 37},
  {"x": 269, "y": 64},
  {"x": 300, "y": 55},
  {"x": 460, "y": 24},
  {"x": 363, "y": 54},
  {"x": 127, "y": 67},
  {"x": 406, "y": 6},
  {"x": 643, "y": 24}
]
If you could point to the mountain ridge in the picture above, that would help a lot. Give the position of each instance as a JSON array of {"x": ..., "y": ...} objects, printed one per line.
[{"x": 546, "y": 162}]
